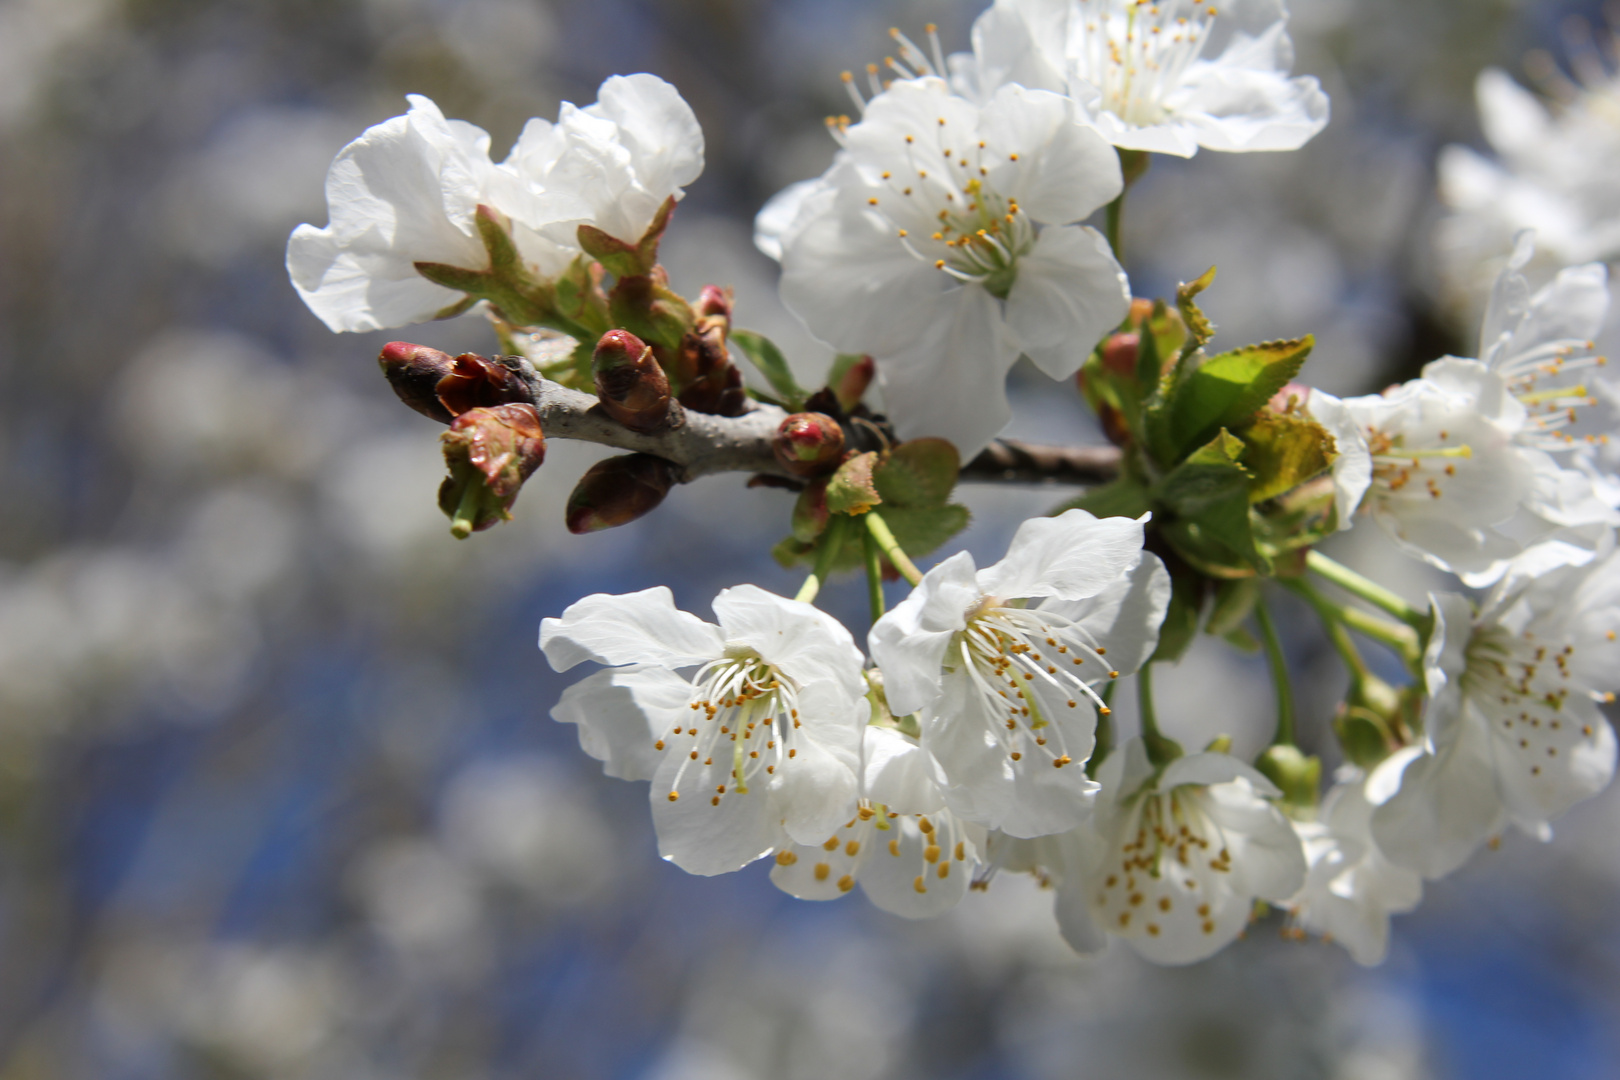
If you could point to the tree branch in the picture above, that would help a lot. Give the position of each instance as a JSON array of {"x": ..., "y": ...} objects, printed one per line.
[{"x": 699, "y": 444}]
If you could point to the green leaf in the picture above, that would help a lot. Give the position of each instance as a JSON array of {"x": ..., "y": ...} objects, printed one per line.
[
  {"x": 1208, "y": 498},
  {"x": 1180, "y": 624},
  {"x": 924, "y": 529},
  {"x": 1124, "y": 497},
  {"x": 1284, "y": 451},
  {"x": 851, "y": 489},
  {"x": 920, "y": 473},
  {"x": 1198, "y": 325},
  {"x": 1234, "y": 600},
  {"x": 765, "y": 356},
  {"x": 1226, "y": 390}
]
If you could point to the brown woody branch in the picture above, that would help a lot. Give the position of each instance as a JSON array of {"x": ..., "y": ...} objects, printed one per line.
[{"x": 699, "y": 444}]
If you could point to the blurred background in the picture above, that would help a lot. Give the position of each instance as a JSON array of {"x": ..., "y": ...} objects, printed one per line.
[{"x": 279, "y": 795}]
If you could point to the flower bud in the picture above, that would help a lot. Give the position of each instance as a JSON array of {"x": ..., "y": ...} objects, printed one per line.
[
  {"x": 1298, "y": 777},
  {"x": 1141, "y": 312},
  {"x": 1119, "y": 353},
  {"x": 854, "y": 381},
  {"x": 490, "y": 452},
  {"x": 809, "y": 444},
  {"x": 1290, "y": 399},
  {"x": 414, "y": 372},
  {"x": 477, "y": 382},
  {"x": 618, "y": 491},
  {"x": 715, "y": 301},
  {"x": 629, "y": 382}
]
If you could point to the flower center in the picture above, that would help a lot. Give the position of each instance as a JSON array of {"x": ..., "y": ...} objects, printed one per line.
[
  {"x": 1167, "y": 871},
  {"x": 1136, "y": 52},
  {"x": 745, "y": 712},
  {"x": 1404, "y": 471},
  {"x": 1521, "y": 684},
  {"x": 1547, "y": 382},
  {"x": 1011, "y": 652}
]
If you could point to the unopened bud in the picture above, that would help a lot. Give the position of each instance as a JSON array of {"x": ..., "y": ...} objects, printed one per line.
[
  {"x": 490, "y": 452},
  {"x": 618, "y": 491},
  {"x": 1119, "y": 353},
  {"x": 854, "y": 381},
  {"x": 1290, "y": 399},
  {"x": 414, "y": 372},
  {"x": 715, "y": 301},
  {"x": 809, "y": 444},
  {"x": 477, "y": 382},
  {"x": 629, "y": 382},
  {"x": 1298, "y": 777},
  {"x": 1141, "y": 312}
]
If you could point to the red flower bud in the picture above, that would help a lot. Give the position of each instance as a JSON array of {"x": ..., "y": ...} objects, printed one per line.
[
  {"x": 1119, "y": 353},
  {"x": 852, "y": 385},
  {"x": 629, "y": 382},
  {"x": 490, "y": 452},
  {"x": 414, "y": 372},
  {"x": 618, "y": 491},
  {"x": 476, "y": 382},
  {"x": 715, "y": 301},
  {"x": 809, "y": 444}
]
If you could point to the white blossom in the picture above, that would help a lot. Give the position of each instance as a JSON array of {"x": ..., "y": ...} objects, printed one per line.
[
  {"x": 942, "y": 242},
  {"x": 1553, "y": 172},
  {"x": 1167, "y": 77},
  {"x": 910, "y": 855},
  {"x": 999, "y": 664},
  {"x": 408, "y": 191},
  {"x": 1177, "y": 856},
  {"x": 759, "y": 747},
  {"x": 1513, "y": 732},
  {"x": 1350, "y": 888}
]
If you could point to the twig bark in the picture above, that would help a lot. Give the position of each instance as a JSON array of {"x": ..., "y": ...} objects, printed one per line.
[{"x": 699, "y": 444}]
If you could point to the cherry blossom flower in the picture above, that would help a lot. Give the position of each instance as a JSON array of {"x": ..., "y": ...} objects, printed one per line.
[
  {"x": 1351, "y": 889},
  {"x": 408, "y": 191},
  {"x": 1513, "y": 729},
  {"x": 759, "y": 747},
  {"x": 910, "y": 855},
  {"x": 1553, "y": 172},
  {"x": 1167, "y": 77},
  {"x": 942, "y": 243},
  {"x": 1176, "y": 857},
  {"x": 1000, "y": 664}
]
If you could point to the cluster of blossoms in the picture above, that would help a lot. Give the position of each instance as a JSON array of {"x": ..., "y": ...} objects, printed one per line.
[{"x": 974, "y": 735}]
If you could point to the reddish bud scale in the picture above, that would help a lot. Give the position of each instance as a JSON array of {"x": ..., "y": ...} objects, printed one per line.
[
  {"x": 618, "y": 491},
  {"x": 630, "y": 383},
  {"x": 712, "y": 383},
  {"x": 490, "y": 453},
  {"x": 809, "y": 444},
  {"x": 853, "y": 384},
  {"x": 414, "y": 371},
  {"x": 1119, "y": 353},
  {"x": 715, "y": 301},
  {"x": 476, "y": 382}
]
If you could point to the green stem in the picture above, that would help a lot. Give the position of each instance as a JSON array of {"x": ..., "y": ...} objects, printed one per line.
[
  {"x": 1368, "y": 590},
  {"x": 1400, "y": 637},
  {"x": 1279, "y": 675},
  {"x": 1105, "y": 730},
  {"x": 831, "y": 541},
  {"x": 874, "y": 575},
  {"x": 1132, "y": 164},
  {"x": 879, "y": 530},
  {"x": 1340, "y": 638},
  {"x": 1115, "y": 226},
  {"x": 461, "y": 526},
  {"x": 1160, "y": 750}
]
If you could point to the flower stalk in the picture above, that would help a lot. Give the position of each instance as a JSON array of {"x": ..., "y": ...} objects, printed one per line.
[{"x": 878, "y": 529}]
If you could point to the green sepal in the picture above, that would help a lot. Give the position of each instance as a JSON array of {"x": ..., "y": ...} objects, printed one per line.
[
  {"x": 458, "y": 278},
  {"x": 1199, "y": 329},
  {"x": 1363, "y": 737},
  {"x": 851, "y": 490},
  {"x": 620, "y": 257},
  {"x": 1299, "y": 777},
  {"x": 1284, "y": 450},
  {"x": 647, "y": 307},
  {"x": 919, "y": 473},
  {"x": 765, "y": 356}
]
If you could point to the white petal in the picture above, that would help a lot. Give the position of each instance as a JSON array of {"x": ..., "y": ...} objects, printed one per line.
[
  {"x": 777, "y": 221},
  {"x": 899, "y": 774},
  {"x": 1446, "y": 806},
  {"x": 951, "y": 381},
  {"x": 704, "y": 832},
  {"x": 621, "y": 713},
  {"x": 1125, "y": 617},
  {"x": 909, "y": 642},
  {"x": 1352, "y": 467},
  {"x": 803, "y": 641},
  {"x": 1057, "y": 168},
  {"x": 1072, "y": 556},
  {"x": 1272, "y": 863},
  {"x": 1070, "y": 294},
  {"x": 814, "y": 793},
  {"x": 1207, "y": 769},
  {"x": 635, "y": 628}
]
